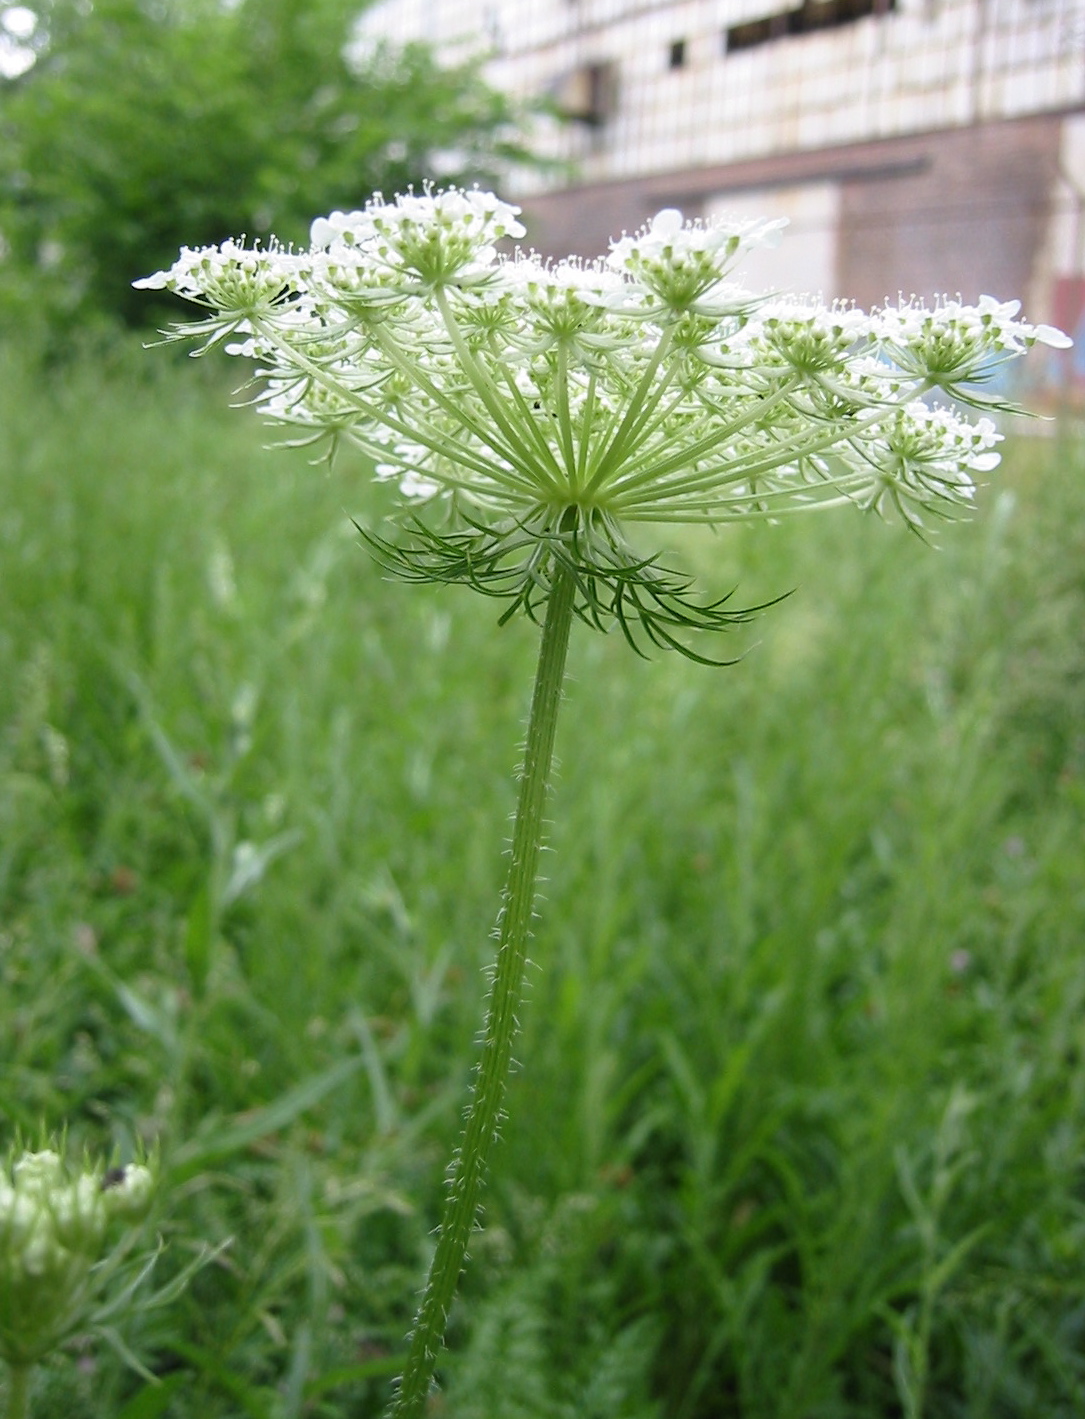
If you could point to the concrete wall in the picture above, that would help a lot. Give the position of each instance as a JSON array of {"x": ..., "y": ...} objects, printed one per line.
[{"x": 919, "y": 65}]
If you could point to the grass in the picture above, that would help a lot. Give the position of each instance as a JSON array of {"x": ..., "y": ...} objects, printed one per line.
[{"x": 800, "y": 1125}]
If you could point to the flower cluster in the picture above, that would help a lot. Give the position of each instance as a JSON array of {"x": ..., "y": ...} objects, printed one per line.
[
  {"x": 54, "y": 1225},
  {"x": 573, "y": 399}
]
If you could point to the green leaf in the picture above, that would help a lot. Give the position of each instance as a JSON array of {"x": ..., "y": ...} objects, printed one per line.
[
  {"x": 351, "y": 1374},
  {"x": 223, "y": 1378},
  {"x": 199, "y": 926},
  {"x": 154, "y": 1398},
  {"x": 218, "y": 1141}
]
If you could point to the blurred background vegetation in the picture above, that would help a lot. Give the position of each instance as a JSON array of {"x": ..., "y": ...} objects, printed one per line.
[
  {"x": 143, "y": 125},
  {"x": 801, "y": 1121},
  {"x": 801, "y": 1125}
]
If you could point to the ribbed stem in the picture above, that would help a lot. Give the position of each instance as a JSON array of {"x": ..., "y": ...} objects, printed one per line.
[
  {"x": 18, "y": 1391},
  {"x": 484, "y": 1113}
]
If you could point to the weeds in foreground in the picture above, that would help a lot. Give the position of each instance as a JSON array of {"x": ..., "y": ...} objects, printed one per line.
[{"x": 801, "y": 1036}]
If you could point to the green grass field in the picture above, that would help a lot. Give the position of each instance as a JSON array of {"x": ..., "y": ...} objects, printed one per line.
[{"x": 800, "y": 1127}]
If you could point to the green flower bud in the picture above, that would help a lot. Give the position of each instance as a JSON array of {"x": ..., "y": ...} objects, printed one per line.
[
  {"x": 55, "y": 1247},
  {"x": 37, "y": 1173},
  {"x": 79, "y": 1214},
  {"x": 127, "y": 1192}
]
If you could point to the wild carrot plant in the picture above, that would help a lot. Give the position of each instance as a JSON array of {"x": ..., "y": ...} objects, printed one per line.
[
  {"x": 531, "y": 414},
  {"x": 65, "y": 1235}
]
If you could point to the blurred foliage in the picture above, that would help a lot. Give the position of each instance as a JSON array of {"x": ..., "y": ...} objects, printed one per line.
[{"x": 143, "y": 125}]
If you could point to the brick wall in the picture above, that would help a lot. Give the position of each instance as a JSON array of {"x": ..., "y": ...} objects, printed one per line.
[
  {"x": 971, "y": 219},
  {"x": 960, "y": 210}
]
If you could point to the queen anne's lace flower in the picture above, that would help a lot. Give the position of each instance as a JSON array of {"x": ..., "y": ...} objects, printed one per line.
[
  {"x": 537, "y": 410},
  {"x": 683, "y": 264},
  {"x": 230, "y": 278},
  {"x": 923, "y": 456},
  {"x": 649, "y": 386},
  {"x": 430, "y": 237},
  {"x": 951, "y": 344}
]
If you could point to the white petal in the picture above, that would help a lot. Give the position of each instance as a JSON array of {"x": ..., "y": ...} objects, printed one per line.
[
  {"x": 1050, "y": 335},
  {"x": 667, "y": 222}
]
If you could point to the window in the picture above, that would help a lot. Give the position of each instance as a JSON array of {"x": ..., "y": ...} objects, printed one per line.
[
  {"x": 676, "y": 58},
  {"x": 811, "y": 15},
  {"x": 587, "y": 94}
]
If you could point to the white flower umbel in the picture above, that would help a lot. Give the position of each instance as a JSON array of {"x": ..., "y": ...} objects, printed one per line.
[
  {"x": 649, "y": 386},
  {"x": 531, "y": 413}
]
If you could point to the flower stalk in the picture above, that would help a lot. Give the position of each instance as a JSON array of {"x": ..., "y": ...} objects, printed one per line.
[
  {"x": 486, "y": 1109},
  {"x": 18, "y": 1391}
]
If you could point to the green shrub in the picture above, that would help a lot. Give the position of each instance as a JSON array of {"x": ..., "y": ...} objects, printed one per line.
[{"x": 144, "y": 126}]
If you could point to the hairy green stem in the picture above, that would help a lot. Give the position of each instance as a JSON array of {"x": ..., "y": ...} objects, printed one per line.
[
  {"x": 18, "y": 1391},
  {"x": 485, "y": 1111}
]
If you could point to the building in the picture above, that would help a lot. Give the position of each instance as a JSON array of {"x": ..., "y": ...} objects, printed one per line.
[{"x": 916, "y": 145}]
